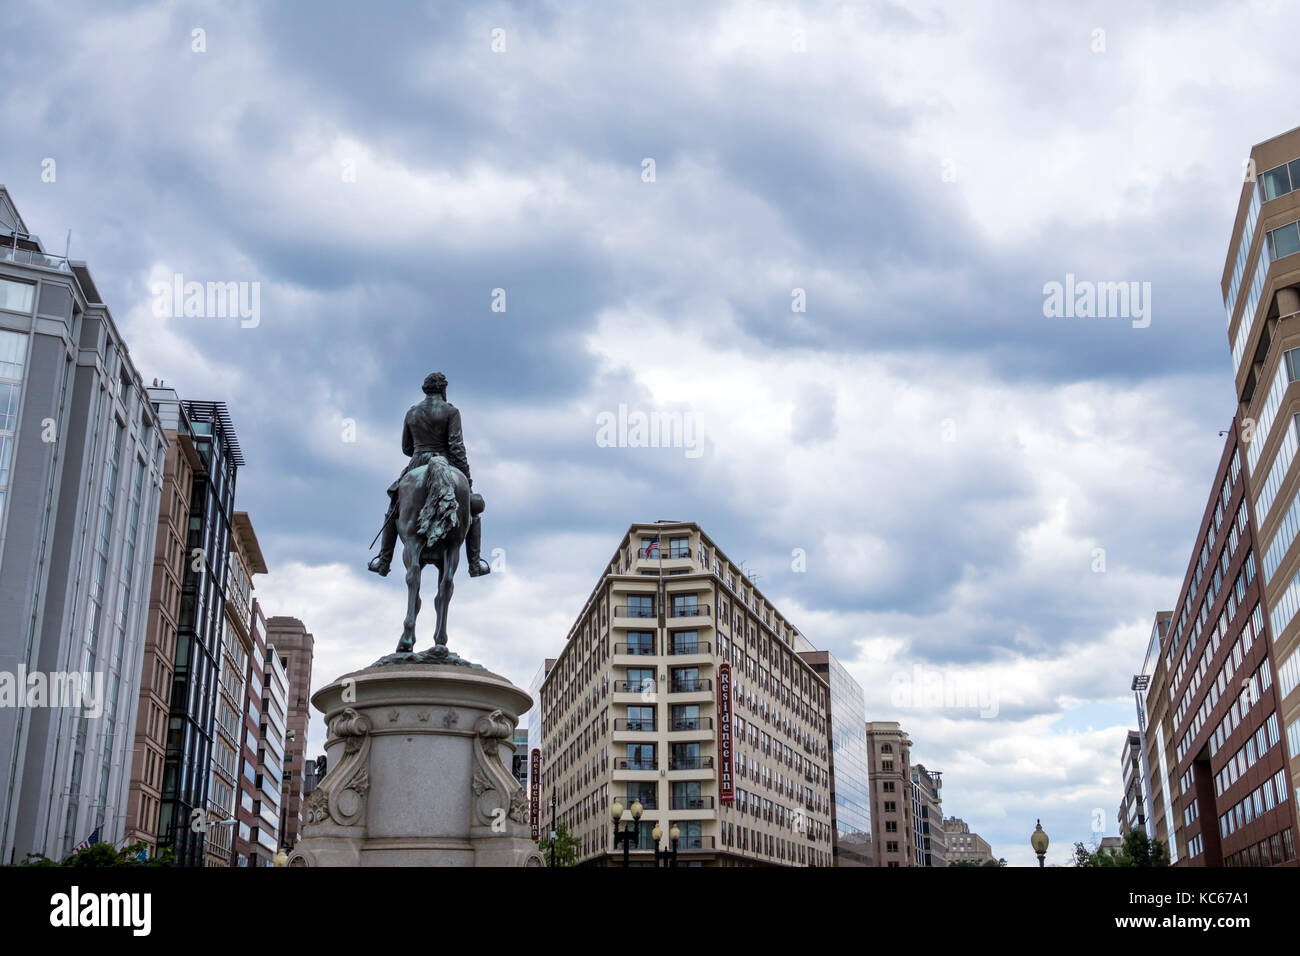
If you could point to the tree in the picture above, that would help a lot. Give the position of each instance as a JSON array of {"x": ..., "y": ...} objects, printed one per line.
[
  {"x": 103, "y": 854},
  {"x": 1138, "y": 850},
  {"x": 566, "y": 847}
]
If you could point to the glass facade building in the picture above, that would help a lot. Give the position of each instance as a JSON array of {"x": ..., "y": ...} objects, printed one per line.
[{"x": 849, "y": 765}]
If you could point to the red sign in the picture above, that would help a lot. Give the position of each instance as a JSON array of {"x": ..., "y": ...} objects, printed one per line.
[
  {"x": 535, "y": 786},
  {"x": 726, "y": 786}
]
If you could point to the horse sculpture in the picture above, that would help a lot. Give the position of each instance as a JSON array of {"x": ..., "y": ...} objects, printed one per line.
[{"x": 446, "y": 534}]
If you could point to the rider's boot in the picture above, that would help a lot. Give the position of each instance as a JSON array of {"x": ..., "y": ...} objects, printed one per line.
[
  {"x": 473, "y": 542},
  {"x": 381, "y": 562}
]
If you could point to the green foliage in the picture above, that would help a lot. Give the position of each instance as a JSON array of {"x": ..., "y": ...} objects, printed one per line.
[
  {"x": 566, "y": 847},
  {"x": 1138, "y": 850},
  {"x": 990, "y": 862},
  {"x": 103, "y": 854}
]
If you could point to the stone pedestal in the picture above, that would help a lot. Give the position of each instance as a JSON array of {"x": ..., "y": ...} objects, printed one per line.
[{"x": 418, "y": 772}]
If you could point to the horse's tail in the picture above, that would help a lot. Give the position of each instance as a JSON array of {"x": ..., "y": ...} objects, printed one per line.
[{"x": 439, "y": 515}]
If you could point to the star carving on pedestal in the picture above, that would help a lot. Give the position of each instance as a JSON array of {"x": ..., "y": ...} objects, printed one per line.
[
  {"x": 393, "y": 715},
  {"x": 449, "y": 719}
]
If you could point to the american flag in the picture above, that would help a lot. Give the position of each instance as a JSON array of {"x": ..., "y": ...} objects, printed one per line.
[
  {"x": 86, "y": 843},
  {"x": 652, "y": 547}
]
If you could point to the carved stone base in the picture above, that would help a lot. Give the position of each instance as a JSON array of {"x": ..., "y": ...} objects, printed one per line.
[{"x": 419, "y": 771}]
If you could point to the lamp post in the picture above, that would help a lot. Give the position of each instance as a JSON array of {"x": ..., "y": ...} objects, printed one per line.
[
  {"x": 628, "y": 835},
  {"x": 668, "y": 856},
  {"x": 1039, "y": 842}
]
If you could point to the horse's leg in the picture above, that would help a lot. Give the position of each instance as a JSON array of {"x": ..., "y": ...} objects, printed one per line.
[
  {"x": 411, "y": 558},
  {"x": 446, "y": 572}
]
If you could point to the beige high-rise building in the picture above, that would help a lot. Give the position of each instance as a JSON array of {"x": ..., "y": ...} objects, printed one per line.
[
  {"x": 963, "y": 844},
  {"x": 889, "y": 755},
  {"x": 680, "y": 686}
]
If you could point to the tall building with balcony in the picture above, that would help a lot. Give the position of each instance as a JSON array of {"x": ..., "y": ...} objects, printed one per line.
[
  {"x": 81, "y": 467},
  {"x": 181, "y": 464},
  {"x": 1132, "y": 814},
  {"x": 849, "y": 761},
  {"x": 1155, "y": 723},
  {"x": 294, "y": 645},
  {"x": 1261, "y": 294},
  {"x": 680, "y": 687},
  {"x": 1220, "y": 727},
  {"x": 889, "y": 754},
  {"x": 241, "y": 687},
  {"x": 184, "y": 821},
  {"x": 268, "y": 783}
]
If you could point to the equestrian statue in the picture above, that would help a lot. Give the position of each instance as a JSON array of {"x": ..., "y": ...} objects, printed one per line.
[{"x": 432, "y": 508}]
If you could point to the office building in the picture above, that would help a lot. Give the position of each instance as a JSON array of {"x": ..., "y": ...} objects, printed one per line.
[
  {"x": 1155, "y": 724},
  {"x": 963, "y": 844},
  {"x": 1229, "y": 785},
  {"x": 295, "y": 647},
  {"x": 849, "y": 761},
  {"x": 888, "y": 762},
  {"x": 82, "y": 454},
  {"x": 1132, "y": 808},
  {"x": 926, "y": 806},
  {"x": 241, "y": 689},
  {"x": 166, "y": 583},
  {"x": 679, "y": 687},
  {"x": 273, "y": 735},
  {"x": 185, "y": 819}
]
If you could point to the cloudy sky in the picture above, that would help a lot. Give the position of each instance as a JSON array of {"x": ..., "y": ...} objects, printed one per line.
[{"x": 650, "y": 184}]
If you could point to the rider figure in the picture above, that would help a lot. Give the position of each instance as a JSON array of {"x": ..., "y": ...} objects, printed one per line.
[{"x": 432, "y": 427}]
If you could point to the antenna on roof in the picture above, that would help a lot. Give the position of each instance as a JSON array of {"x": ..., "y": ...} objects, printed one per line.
[{"x": 67, "y": 244}]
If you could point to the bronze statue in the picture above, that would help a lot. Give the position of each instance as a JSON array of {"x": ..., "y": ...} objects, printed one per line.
[{"x": 432, "y": 508}]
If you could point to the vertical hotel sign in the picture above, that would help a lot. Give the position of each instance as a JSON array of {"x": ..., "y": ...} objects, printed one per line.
[
  {"x": 726, "y": 786},
  {"x": 535, "y": 788}
]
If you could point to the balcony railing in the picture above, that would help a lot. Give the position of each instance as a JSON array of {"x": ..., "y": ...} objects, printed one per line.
[
  {"x": 696, "y": 843},
  {"x": 692, "y": 723},
  {"x": 690, "y": 763},
  {"x": 652, "y": 764},
  {"x": 692, "y": 803},
  {"x": 689, "y": 686},
  {"x": 635, "y": 650},
  {"x": 649, "y": 800},
  {"x": 33, "y": 258},
  {"x": 690, "y": 647},
  {"x": 634, "y": 687},
  {"x": 631, "y": 723},
  {"x": 669, "y": 554},
  {"x": 690, "y": 610},
  {"x": 633, "y": 610}
]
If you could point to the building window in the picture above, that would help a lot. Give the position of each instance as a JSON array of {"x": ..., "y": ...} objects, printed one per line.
[{"x": 13, "y": 355}]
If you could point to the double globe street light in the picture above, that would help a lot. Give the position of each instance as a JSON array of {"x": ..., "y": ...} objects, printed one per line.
[{"x": 629, "y": 834}]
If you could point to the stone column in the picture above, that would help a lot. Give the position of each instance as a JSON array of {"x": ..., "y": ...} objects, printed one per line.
[{"x": 418, "y": 770}]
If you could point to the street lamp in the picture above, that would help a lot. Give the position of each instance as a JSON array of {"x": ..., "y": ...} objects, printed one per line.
[
  {"x": 1039, "y": 842},
  {"x": 628, "y": 835},
  {"x": 668, "y": 856},
  {"x": 281, "y": 858}
]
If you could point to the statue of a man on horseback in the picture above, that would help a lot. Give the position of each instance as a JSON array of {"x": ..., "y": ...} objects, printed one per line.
[{"x": 432, "y": 508}]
